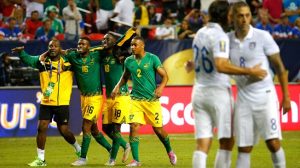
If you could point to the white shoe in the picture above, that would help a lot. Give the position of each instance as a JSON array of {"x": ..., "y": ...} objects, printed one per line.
[
  {"x": 134, "y": 163},
  {"x": 126, "y": 153},
  {"x": 172, "y": 157},
  {"x": 79, "y": 162},
  {"x": 110, "y": 162}
]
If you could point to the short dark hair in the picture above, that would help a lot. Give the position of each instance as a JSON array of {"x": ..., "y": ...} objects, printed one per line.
[
  {"x": 85, "y": 38},
  {"x": 237, "y": 5},
  {"x": 218, "y": 12},
  {"x": 139, "y": 38},
  {"x": 35, "y": 11}
]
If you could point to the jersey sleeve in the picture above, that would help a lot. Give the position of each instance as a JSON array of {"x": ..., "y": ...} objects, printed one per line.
[
  {"x": 270, "y": 46},
  {"x": 156, "y": 62},
  {"x": 29, "y": 60},
  {"x": 221, "y": 47}
]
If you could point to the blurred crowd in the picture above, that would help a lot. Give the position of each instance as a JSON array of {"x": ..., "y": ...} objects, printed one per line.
[
  {"x": 157, "y": 19},
  {"x": 44, "y": 20}
]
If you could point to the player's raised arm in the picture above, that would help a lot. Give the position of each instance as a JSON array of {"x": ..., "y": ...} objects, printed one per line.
[
  {"x": 29, "y": 60},
  {"x": 282, "y": 74}
]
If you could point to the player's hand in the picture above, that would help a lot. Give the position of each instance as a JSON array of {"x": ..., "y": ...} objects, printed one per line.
[
  {"x": 286, "y": 105},
  {"x": 257, "y": 72},
  {"x": 17, "y": 49},
  {"x": 158, "y": 92},
  {"x": 114, "y": 93},
  {"x": 43, "y": 56},
  {"x": 189, "y": 66}
]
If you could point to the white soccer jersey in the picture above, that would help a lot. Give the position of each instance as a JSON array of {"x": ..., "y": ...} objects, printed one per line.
[
  {"x": 254, "y": 49},
  {"x": 210, "y": 42}
]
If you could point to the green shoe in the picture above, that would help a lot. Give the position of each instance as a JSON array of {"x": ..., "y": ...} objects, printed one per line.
[{"x": 37, "y": 162}]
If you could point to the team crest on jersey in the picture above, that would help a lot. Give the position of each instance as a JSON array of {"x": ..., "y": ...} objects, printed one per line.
[
  {"x": 146, "y": 65},
  {"x": 113, "y": 61},
  {"x": 222, "y": 46},
  {"x": 252, "y": 45},
  {"x": 92, "y": 61}
]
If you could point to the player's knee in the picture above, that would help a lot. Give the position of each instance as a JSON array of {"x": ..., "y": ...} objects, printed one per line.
[
  {"x": 63, "y": 129},
  {"x": 246, "y": 149},
  {"x": 273, "y": 145},
  {"x": 42, "y": 127},
  {"x": 226, "y": 143},
  {"x": 134, "y": 126}
]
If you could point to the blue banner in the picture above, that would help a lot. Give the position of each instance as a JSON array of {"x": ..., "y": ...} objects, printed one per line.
[
  {"x": 289, "y": 49},
  {"x": 19, "y": 110}
]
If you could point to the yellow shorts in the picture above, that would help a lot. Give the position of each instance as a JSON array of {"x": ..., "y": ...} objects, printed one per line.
[
  {"x": 91, "y": 106},
  {"x": 145, "y": 112},
  {"x": 116, "y": 111}
]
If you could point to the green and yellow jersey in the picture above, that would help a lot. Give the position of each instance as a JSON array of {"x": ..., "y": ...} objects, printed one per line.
[
  {"x": 58, "y": 74},
  {"x": 87, "y": 72},
  {"x": 112, "y": 73},
  {"x": 143, "y": 76}
]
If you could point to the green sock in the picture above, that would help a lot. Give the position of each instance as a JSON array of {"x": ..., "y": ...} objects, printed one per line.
[
  {"x": 86, "y": 139},
  {"x": 114, "y": 149},
  {"x": 134, "y": 143},
  {"x": 102, "y": 141},
  {"x": 167, "y": 144},
  {"x": 120, "y": 139}
]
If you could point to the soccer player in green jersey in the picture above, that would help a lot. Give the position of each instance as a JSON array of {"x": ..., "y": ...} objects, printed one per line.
[
  {"x": 86, "y": 66},
  {"x": 145, "y": 106},
  {"x": 115, "y": 111},
  {"x": 56, "y": 80}
]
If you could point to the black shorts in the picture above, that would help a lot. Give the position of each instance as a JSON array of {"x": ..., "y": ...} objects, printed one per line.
[{"x": 60, "y": 113}]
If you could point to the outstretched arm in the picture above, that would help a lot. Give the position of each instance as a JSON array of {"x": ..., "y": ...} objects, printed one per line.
[{"x": 26, "y": 58}]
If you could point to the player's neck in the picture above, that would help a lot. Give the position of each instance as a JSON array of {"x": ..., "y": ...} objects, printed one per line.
[
  {"x": 140, "y": 55},
  {"x": 85, "y": 54},
  {"x": 241, "y": 34},
  {"x": 56, "y": 58}
]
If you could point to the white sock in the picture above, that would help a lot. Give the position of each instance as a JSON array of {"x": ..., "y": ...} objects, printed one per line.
[
  {"x": 243, "y": 160},
  {"x": 223, "y": 159},
  {"x": 41, "y": 154},
  {"x": 76, "y": 146},
  {"x": 278, "y": 159},
  {"x": 199, "y": 159}
]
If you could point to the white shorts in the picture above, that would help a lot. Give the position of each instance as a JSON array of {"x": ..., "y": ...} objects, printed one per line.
[
  {"x": 212, "y": 107},
  {"x": 257, "y": 118},
  {"x": 102, "y": 19}
]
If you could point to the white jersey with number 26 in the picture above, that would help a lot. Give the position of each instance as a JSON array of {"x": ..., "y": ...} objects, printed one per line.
[{"x": 210, "y": 42}]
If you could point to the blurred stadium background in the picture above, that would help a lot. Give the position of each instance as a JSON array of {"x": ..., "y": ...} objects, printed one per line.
[{"x": 19, "y": 85}]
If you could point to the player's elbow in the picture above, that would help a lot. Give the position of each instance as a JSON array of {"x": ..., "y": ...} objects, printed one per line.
[{"x": 220, "y": 67}]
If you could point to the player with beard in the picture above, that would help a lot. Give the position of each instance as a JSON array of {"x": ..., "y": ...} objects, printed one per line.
[{"x": 56, "y": 80}]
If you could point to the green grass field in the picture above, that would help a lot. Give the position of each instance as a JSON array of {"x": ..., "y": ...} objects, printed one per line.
[{"x": 16, "y": 152}]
